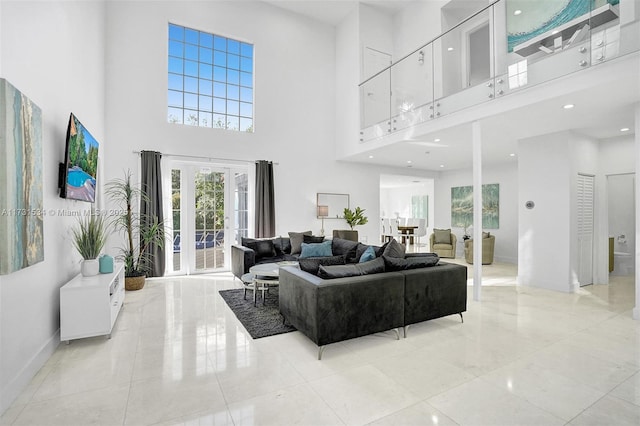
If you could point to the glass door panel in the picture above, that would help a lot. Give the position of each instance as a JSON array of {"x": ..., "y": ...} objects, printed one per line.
[{"x": 209, "y": 219}]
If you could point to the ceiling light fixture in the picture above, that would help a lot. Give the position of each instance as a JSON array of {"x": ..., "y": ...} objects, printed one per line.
[
  {"x": 517, "y": 12},
  {"x": 408, "y": 161},
  {"x": 568, "y": 106},
  {"x": 441, "y": 165},
  {"x": 450, "y": 49},
  {"x": 512, "y": 155},
  {"x": 436, "y": 140},
  {"x": 624, "y": 129},
  {"x": 371, "y": 156}
]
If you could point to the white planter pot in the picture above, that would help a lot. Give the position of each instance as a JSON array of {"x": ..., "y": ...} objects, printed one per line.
[{"x": 90, "y": 267}]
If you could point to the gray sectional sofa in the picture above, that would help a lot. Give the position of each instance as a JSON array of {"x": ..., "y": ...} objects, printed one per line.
[{"x": 333, "y": 310}]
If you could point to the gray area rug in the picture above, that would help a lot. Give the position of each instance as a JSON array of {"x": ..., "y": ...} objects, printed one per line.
[{"x": 260, "y": 320}]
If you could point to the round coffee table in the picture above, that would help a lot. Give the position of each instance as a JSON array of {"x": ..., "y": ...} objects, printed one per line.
[{"x": 266, "y": 275}]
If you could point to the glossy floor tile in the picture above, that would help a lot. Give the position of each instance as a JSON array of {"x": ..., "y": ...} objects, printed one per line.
[{"x": 179, "y": 356}]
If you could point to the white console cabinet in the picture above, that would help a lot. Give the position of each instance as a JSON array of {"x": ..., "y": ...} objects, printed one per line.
[{"x": 89, "y": 306}]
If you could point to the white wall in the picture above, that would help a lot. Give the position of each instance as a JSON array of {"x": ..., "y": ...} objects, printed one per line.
[
  {"x": 417, "y": 24},
  {"x": 506, "y": 175},
  {"x": 347, "y": 77},
  {"x": 55, "y": 57}
]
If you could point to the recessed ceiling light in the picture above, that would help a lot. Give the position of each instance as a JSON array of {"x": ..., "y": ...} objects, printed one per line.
[
  {"x": 441, "y": 165},
  {"x": 624, "y": 129},
  {"x": 371, "y": 156},
  {"x": 408, "y": 161},
  {"x": 568, "y": 106},
  {"x": 450, "y": 49},
  {"x": 517, "y": 12},
  {"x": 436, "y": 140},
  {"x": 512, "y": 155}
]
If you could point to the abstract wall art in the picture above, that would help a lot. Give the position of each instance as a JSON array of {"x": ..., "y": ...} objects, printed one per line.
[
  {"x": 21, "y": 210},
  {"x": 527, "y": 19},
  {"x": 462, "y": 206}
]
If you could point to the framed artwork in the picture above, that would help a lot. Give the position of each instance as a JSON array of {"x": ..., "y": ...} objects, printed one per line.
[
  {"x": 462, "y": 206},
  {"x": 21, "y": 210}
]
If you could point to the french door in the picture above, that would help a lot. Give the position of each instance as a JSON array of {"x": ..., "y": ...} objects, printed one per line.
[{"x": 208, "y": 215}]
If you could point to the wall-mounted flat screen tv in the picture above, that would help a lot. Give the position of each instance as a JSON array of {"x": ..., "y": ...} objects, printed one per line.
[{"x": 79, "y": 171}]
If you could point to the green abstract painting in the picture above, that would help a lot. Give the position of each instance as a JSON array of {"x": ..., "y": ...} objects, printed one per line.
[
  {"x": 21, "y": 213},
  {"x": 462, "y": 206}
]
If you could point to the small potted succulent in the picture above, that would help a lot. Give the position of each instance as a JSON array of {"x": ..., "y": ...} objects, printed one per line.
[{"x": 89, "y": 238}]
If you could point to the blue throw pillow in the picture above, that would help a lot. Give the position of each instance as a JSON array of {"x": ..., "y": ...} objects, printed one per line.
[
  {"x": 316, "y": 249},
  {"x": 369, "y": 254}
]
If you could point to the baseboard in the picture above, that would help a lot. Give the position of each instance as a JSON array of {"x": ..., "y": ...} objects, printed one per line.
[{"x": 24, "y": 376}]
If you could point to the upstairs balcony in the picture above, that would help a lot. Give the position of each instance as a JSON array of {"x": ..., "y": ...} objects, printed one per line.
[{"x": 496, "y": 52}]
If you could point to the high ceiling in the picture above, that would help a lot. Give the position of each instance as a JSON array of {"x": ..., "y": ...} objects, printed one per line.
[{"x": 601, "y": 109}]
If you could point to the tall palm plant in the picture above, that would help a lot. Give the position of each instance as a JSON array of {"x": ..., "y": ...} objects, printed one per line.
[{"x": 141, "y": 231}]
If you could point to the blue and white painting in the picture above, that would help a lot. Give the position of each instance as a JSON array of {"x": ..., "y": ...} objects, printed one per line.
[
  {"x": 527, "y": 19},
  {"x": 21, "y": 211}
]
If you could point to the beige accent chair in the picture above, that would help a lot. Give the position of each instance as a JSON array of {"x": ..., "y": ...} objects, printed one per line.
[
  {"x": 488, "y": 244},
  {"x": 443, "y": 243}
]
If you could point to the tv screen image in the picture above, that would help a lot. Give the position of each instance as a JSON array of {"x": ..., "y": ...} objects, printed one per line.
[{"x": 81, "y": 163}]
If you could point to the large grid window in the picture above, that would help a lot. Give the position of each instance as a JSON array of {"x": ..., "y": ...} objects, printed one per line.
[{"x": 210, "y": 80}]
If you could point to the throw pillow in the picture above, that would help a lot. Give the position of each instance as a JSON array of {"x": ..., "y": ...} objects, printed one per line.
[
  {"x": 282, "y": 245},
  {"x": 316, "y": 249},
  {"x": 312, "y": 239},
  {"x": 351, "y": 270},
  {"x": 397, "y": 264},
  {"x": 369, "y": 254},
  {"x": 443, "y": 236},
  {"x": 346, "y": 248},
  {"x": 263, "y": 248},
  {"x": 394, "y": 249},
  {"x": 486, "y": 234},
  {"x": 296, "y": 239},
  {"x": 312, "y": 264}
]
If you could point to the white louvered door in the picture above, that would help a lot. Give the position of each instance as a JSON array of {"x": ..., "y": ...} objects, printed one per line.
[{"x": 586, "y": 185}]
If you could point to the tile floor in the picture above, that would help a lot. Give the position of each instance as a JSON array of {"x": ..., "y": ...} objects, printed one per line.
[{"x": 179, "y": 356}]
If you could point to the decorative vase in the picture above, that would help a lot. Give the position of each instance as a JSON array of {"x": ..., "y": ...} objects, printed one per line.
[
  {"x": 134, "y": 283},
  {"x": 90, "y": 267}
]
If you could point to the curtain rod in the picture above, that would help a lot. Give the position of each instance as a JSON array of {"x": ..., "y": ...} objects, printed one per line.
[{"x": 200, "y": 157}]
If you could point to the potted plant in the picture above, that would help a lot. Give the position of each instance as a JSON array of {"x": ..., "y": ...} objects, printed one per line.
[
  {"x": 140, "y": 232},
  {"x": 354, "y": 218},
  {"x": 89, "y": 238}
]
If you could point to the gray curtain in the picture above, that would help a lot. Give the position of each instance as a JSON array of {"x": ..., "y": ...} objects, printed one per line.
[
  {"x": 265, "y": 202},
  {"x": 151, "y": 209}
]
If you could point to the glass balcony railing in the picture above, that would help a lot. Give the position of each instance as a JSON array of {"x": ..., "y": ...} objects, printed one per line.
[{"x": 491, "y": 54}]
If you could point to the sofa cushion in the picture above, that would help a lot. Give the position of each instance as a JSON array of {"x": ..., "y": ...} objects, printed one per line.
[
  {"x": 311, "y": 264},
  {"x": 351, "y": 270},
  {"x": 263, "y": 248},
  {"x": 442, "y": 236},
  {"x": 282, "y": 245},
  {"x": 316, "y": 249},
  {"x": 346, "y": 248},
  {"x": 312, "y": 239},
  {"x": 369, "y": 254},
  {"x": 414, "y": 262},
  {"x": 297, "y": 238},
  {"x": 394, "y": 249}
]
